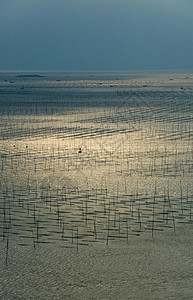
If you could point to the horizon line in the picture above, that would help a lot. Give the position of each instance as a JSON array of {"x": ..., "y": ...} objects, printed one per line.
[{"x": 97, "y": 71}]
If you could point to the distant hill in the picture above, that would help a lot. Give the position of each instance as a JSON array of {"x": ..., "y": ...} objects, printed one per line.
[{"x": 30, "y": 75}]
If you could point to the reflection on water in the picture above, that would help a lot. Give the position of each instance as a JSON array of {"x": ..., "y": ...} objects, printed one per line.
[{"x": 132, "y": 176}]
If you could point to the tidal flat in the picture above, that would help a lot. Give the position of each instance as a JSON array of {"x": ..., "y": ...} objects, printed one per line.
[{"x": 96, "y": 192}]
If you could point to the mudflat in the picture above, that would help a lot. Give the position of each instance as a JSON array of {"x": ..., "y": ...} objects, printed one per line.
[{"x": 96, "y": 185}]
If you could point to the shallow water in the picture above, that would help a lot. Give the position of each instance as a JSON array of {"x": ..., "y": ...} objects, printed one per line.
[{"x": 98, "y": 167}]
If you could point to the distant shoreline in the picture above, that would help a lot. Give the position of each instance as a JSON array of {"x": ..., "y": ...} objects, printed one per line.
[{"x": 30, "y": 75}]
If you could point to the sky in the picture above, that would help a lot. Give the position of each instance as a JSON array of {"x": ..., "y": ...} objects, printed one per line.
[{"x": 88, "y": 35}]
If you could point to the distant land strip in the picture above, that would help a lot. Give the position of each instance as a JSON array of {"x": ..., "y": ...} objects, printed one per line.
[{"x": 30, "y": 75}]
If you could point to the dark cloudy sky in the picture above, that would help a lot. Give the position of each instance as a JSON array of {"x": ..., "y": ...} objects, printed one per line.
[{"x": 96, "y": 34}]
